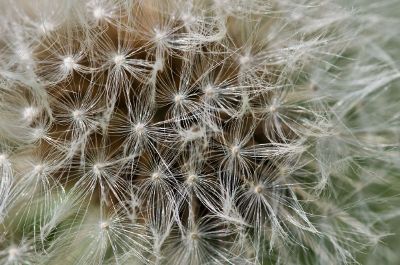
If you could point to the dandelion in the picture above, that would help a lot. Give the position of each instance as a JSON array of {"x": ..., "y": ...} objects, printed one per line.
[{"x": 198, "y": 132}]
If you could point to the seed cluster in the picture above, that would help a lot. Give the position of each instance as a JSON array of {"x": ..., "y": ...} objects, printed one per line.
[{"x": 176, "y": 132}]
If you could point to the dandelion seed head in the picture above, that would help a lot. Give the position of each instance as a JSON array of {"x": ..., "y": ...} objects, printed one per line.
[
  {"x": 78, "y": 115},
  {"x": 29, "y": 113},
  {"x": 99, "y": 13},
  {"x": 191, "y": 179},
  {"x": 178, "y": 98},
  {"x": 104, "y": 225},
  {"x": 210, "y": 91},
  {"x": 258, "y": 189},
  {"x": 235, "y": 150},
  {"x": 159, "y": 35},
  {"x": 244, "y": 60},
  {"x": 38, "y": 133},
  {"x": 69, "y": 63},
  {"x": 38, "y": 169},
  {"x": 156, "y": 176},
  {"x": 119, "y": 59},
  {"x": 192, "y": 132},
  {"x": 194, "y": 236},
  {"x": 273, "y": 108},
  {"x": 97, "y": 168},
  {"x": 139, "y": 128}
]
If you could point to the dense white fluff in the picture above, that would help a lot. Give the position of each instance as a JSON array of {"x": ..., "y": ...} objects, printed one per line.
[
  {"x": 199, "y": 132},
  {"x": 18, "y": 253}
]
